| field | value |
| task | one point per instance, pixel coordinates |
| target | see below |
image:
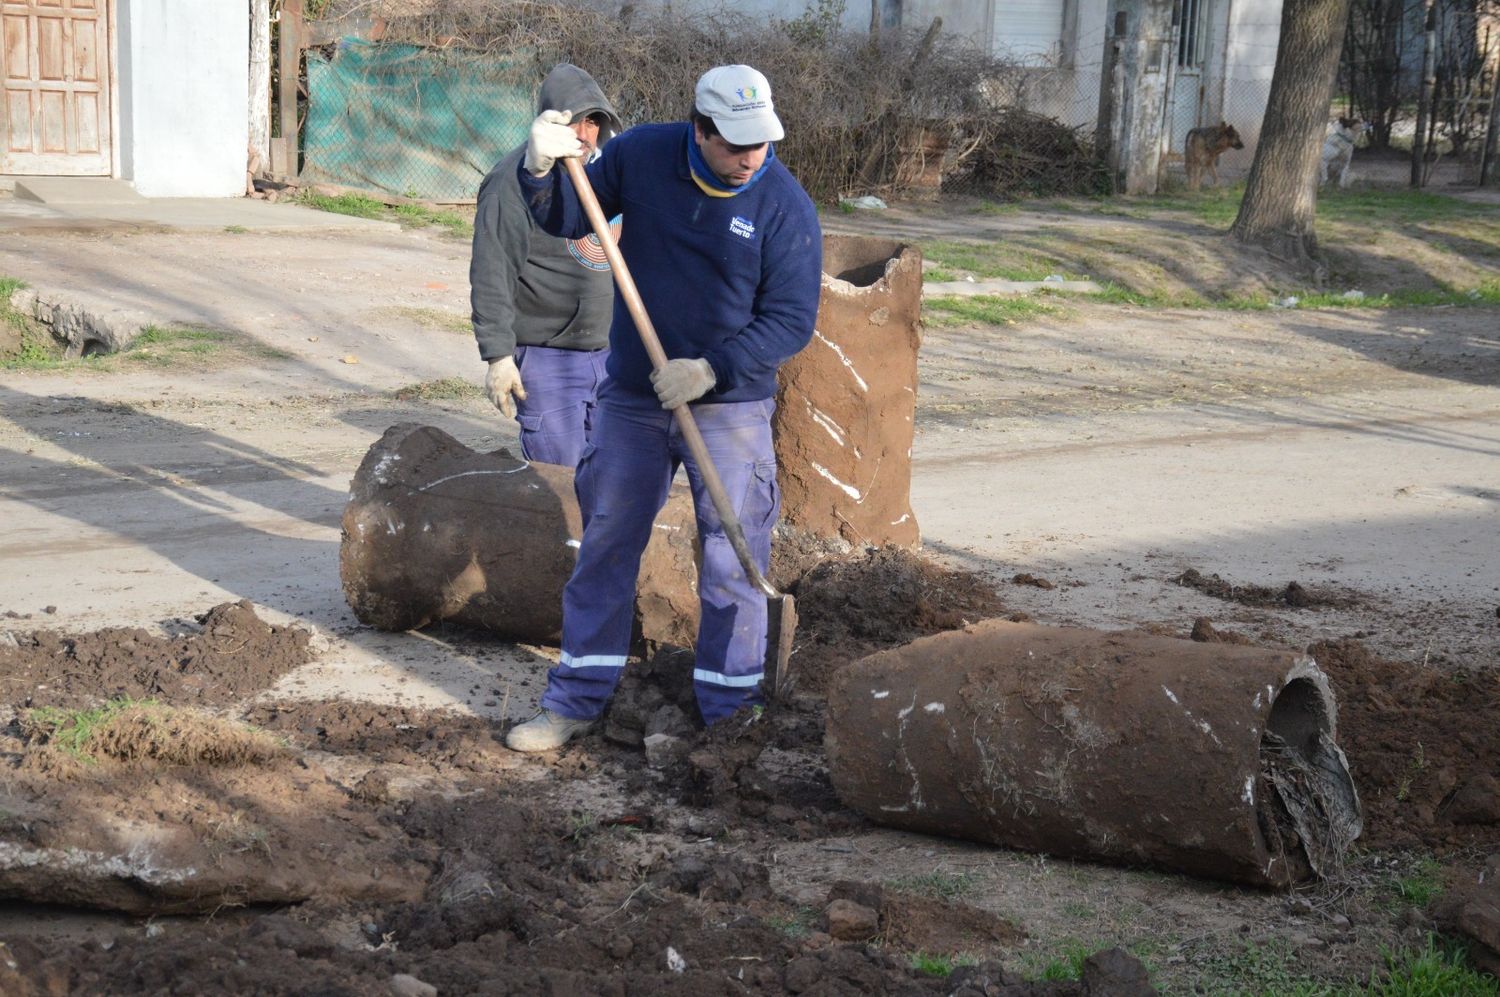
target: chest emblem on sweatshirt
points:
(742, 227)
(589, 252)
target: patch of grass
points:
(796, 924)
(137, 730)
(940, 965)
(993, 259)
(357, 205)
(447, 389)
(409, 215)
(987, 309)
(1436, 970)
(235, 229)
(1115, 294)
(1216, 206)
(937, 275)
(997, 207)
(431, 318)
(1417, 887)
(1396, 207)
(24, 343)
(939, 884)
(1256, 968)
(420, 214)
(170, 346)
(72, 730)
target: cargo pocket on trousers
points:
(762, 498)
(529, 423)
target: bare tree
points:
(1281, 195)
(260, 80)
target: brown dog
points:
(1204, 147)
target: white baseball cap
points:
(738, 99)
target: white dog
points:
(1338, 150)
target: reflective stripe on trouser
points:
(558, 411)
(622, 483)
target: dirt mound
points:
(1423, 747)
(879, 598)
(233, 654)
(1293, 594)
(383, 734)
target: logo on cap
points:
(747, 93)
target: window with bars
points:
(1190, 41)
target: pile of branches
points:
(1016, 153)
(861, 112)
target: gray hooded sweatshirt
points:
(529, 288)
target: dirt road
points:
(1108, 449)
(1096, 455)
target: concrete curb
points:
(83, 328)
(970, 288)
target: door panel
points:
(54, 67)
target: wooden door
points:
(54, 67)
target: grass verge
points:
(408, 215)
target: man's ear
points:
(698, 133)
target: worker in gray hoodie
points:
(542, 305)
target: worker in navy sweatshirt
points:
(725, 249)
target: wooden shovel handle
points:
(685, 421)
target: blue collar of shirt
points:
(706, 178)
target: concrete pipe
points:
(437, 531)
(845, 404)
(1209, 759)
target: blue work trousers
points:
(558, 412)
(622, 483)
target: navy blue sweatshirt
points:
(733, 280)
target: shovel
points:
(781, 609)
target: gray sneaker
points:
(545, 731)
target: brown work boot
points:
(545, 731)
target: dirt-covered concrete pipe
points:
(434, 530)
(845, 404)
(1209, 759)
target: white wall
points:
(183, 92)
(1253, 33)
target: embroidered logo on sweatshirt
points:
(742, 227)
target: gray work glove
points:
(682, 381)
(550, 140)
(502, 382)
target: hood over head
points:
(568, 88)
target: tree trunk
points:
(260, 81)
(1281, 194)
(1424, 103)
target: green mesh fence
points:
(411, 121)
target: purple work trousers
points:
(558, 411)
(632, 455)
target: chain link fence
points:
(411, 121)
(427, 111)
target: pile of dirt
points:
(1423, 747)
(1294, 594)
(881, 597)
(232, 654)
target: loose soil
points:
(379, 841)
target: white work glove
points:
(551, 139)
(682, 381)
(503, 381)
